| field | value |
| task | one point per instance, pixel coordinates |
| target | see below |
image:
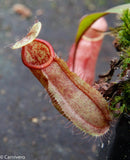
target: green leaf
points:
(88, 20)
(118, 9)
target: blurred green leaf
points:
(118, 9)
(88, 20)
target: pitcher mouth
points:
(38, 54)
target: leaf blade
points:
(118, 9)
(88, 20)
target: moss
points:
(121, 98)
(124, 33)
(121, 102)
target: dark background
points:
(29, 125)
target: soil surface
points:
(30, 126)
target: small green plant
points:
(120, 97)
